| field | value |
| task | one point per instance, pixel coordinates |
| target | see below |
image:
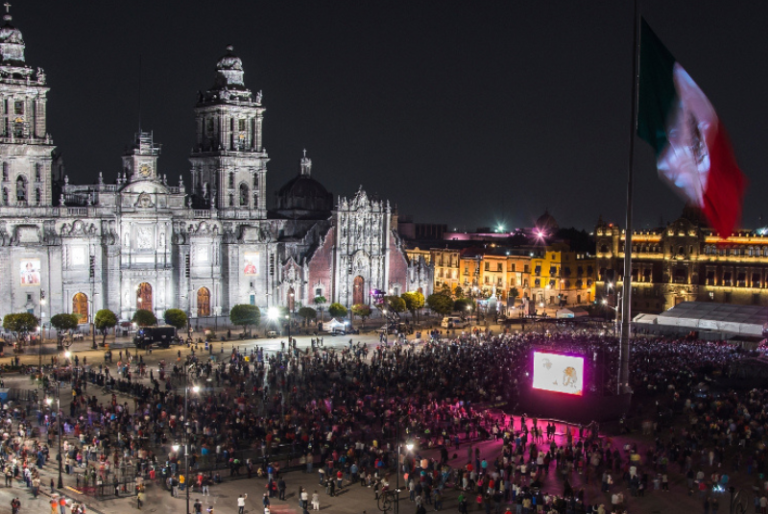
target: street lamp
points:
(195, 389)
(469, 309)
(42, 335)
(386, 326)
(49, 402)
(616, 315)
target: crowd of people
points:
(346, 410)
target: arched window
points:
(21, 189)
(243, 195)
(80, 307)
(231, 180)
(231, 200)
(255, 180)
(255, 200)
(6, 170)
(38, 172)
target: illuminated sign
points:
(558, 373)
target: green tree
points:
(445, 290)
(144, 318)
(21, 323)
(440, 303)
(394, 304)
(458, 292)
(462, 304)
(104, 320)
(307, 313)
(176, 318)
(244, 315)
(513, 294)
(62, 323)
(361, 310)
(414, 300)
(337, 310)
(320, 301)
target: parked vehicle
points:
(161, 336)
(453, 322)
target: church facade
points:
(142, 243)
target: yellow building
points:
(562, 277)
(446, 263)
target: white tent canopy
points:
(748, 320)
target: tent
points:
(573, 312)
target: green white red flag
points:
(693, 152)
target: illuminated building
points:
(683, 261)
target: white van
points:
(453, 322)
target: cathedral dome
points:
(547, 222)
(303, 196)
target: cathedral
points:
(203, 247)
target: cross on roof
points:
(7, 7)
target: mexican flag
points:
(693, 153)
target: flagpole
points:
(626, 297)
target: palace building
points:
(682, 262)
(142, 243)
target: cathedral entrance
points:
(144, 297)
(358, 290)
(203, 302)
(80, 307)
(291, 300)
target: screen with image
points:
(558, 373)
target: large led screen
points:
(558, 373)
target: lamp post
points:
(195, 389)
(409, 447)
(616, 313)
(386, 326)
(49, 402)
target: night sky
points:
(465, 113)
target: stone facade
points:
(143, 243)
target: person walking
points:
(315, 501)
(281, 489)
(241, 503)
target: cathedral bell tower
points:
(229, 163)
(140, 159)
(25, 146)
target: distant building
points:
(683, 261)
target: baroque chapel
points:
(142, 243)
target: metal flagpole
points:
(626, 303)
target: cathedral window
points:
(19, 107)
(18, 129)
(231, 180)
(38, 196)
(21, 189)
(209, 126)
(255, 180)
(5, 196)
(6, 168)
(231, 200)
(38, 172)
(243, 195)
(241, 124)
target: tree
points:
(361, 310)
(337, 310)
(320, 301)
(62, 323)
(462, 304)
(513, 294)
(244, 315)
(176, 318)
(445, 290)
(144, 318)
(414, 300)
(307, 313)
(395, 304)
(440, 303)
(20, 323)
(104, 320)
(458, 292)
